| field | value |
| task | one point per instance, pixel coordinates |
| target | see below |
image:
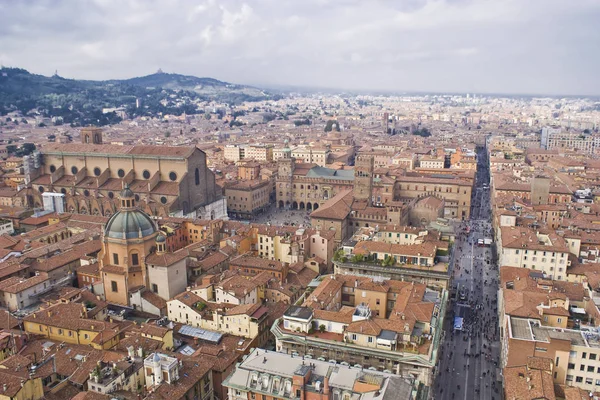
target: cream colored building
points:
(232, 152)
(17, 293)
(242, 320)
(258, 152)
(522, 247)
(313, 155)
(431, 162)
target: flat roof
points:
(203, 334)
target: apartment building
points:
(580, 142)
(69, 323)
(247, 198)
(267, 374)
(431, 162)
(291, 245)
(245, 320)
(258, 152)
(547, 253)
(382, 255)
(399, 334)
(554, 320)
(169, 377)
(17, 293)
(249, 170)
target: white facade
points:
(167, 282)
(6, 227)
(180, 312)
(223, 296)
(553, 264)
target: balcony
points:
(336, 341)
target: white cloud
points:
(438, 45)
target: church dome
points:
(129, 224)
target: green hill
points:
(80, 102)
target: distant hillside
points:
(204, 86)
(80, 102)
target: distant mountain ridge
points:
(79, 101)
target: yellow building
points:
(69, 323)
(15, 387)
(128, 238)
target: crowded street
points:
(469, 354)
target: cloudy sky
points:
(495, 46)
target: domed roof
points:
(126, 192)
(129, 224)
(161, 238)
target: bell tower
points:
(285, 173)
(91, 135)
(363, 177)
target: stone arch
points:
(308, 206)
(287, 204)
(281, 203)
(295, 205)
(301, 205)
(316, 206)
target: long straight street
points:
(470, 353)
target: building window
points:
(155, 288)
(97, 171)
(592, 356)
(74, 170)
(197, 176)
(578, 379)
(370, 340)
(354, 336)
(121, 173)
(146, 174)
(113, 286)
(134, 259)
(115, 259)
(172, 176)
(163, 200)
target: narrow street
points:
(470, 353)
